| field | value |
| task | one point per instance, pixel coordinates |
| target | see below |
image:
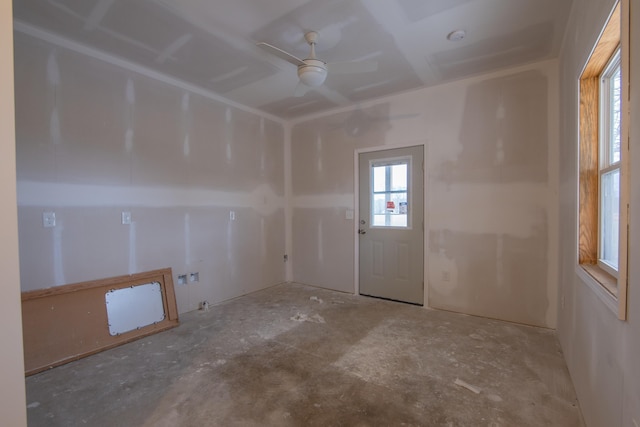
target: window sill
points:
(604, 285)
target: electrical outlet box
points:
(126, 218)
(194, 277)
(48, 219)
(182, 279)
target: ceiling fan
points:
(312, 71)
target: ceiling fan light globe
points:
(312, 75)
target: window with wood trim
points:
(609, 166)
(602, 250)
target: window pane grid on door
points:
(389, 198)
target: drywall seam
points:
(553, 204)
(322, 201)
(389, 98)
(521, 207)
(114, 60)
(30, 193)
(565, 36)
(288, 192)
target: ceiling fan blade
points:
(281, 54)
(332, 95)
(352, 67)
(300, 90)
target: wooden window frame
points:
(613, 37)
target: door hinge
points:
(286, 257)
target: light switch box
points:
(126, 218)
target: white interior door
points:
(391, 227)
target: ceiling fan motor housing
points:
(313, 73)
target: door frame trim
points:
(356, 213)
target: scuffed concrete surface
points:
(295, 355)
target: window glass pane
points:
(610, 217)
(614, 131)
(398, 216)
(379, 204)
(379, 178)
(378, 220)
(398, 177)
(398, 221)
(398, 200)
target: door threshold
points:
(392, 300)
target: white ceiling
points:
(212, 43)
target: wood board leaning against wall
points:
(66, 323)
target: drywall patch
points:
(187, 239)
(54, 126)
(133, 260)
(319, 153)
(186, 124)
(129, 111)
(263, 198)
(507, 284)
(320, 242)
(503, 132)
(443, 272)
(516, 209)
(130, 92)
(500, 267)
(263, 241)
(417, 10)
(263, 148)
(327, 262)
(58, 262)
(53, 80)
(53, 70)
(231, 250)
(490, 54)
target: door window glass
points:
(390, 194)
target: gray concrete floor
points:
(294, 355)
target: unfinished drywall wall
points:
(490, 191)
(601, 351)
(12, 393)
(203, 180)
